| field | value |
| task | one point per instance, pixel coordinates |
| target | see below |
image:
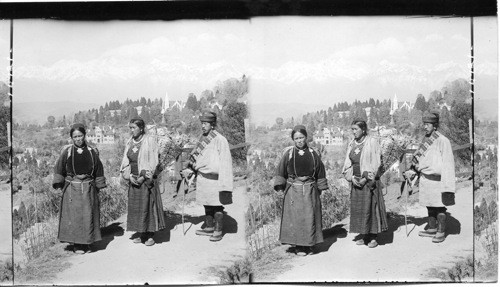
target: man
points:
(211, 161)
(433, 162)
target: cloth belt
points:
(432, 177)
(298, 182)
(76, 180)
(212, 176)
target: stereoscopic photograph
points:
(129, 152)
(6, 264)
(264, 150)
(361, 157)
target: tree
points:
(456, 91)
(232, 126)
(51, 121)
(279, 122)
(145, 115)
(373, 120)
(132, 113)
(192, 102)
(208, 95)
(420, 103)
(371, 102)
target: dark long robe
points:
(79, 220)
(301, 219)
(368, 214)
(145, 208)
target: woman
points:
(79, 173)
(301, 175)
(139, 164)
(368, 216)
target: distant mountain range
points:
(37, 112)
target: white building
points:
(115, 112)
(101, 136)
(329, 137)
(344, 114)
(395, 105)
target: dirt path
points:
(175, 259)
(398, 258)
(5, 222)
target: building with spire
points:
(396, 105)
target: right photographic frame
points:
(373, 149)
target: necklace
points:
(139, 141)
(79, 149)
(360, 143)
(136, 144)
(358, 149)
(300, 151)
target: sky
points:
(99, 61)
(4, 50)
(333, 58)
(313, 60)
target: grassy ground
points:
(6, 270)
(44, 268)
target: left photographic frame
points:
(94, 102)
(6, 258)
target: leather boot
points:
(217, 235)
(209, 226)
(440, 235)
(431, 231)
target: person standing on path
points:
(80, 175)
(433, 162)
(139, 168)
(301, 176)
(211, 162)
(368, 216)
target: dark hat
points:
(430, 117)
(210, 117)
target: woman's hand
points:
(370, 176)
(140, 180)
(134, 181)
(358, 182)
(148, 174)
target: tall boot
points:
(208, 230)
(217, 235)
(440, 235)
(431, 231)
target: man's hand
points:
(410, 174)
(185, 173)
(149, 174)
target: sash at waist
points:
(212, 176)
(299, 182)
(78, 179)
(432, 177)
